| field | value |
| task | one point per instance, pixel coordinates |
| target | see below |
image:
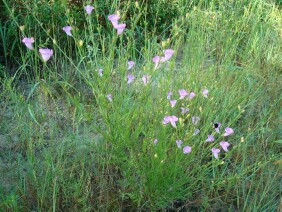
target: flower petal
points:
(88, 9)
(205, 92)
(210, 138)
(187, 149)
(179, 143)
(224, 145)
(215, 152)
(173, 102)
(228, 131)
(46, 54)
(67, 30)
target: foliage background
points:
(65, 147)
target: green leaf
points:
(278, 141)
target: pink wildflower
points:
(156, 59)
(145, 79)
(114, 19)
(183, 93)
(187, 149)
(224, 145)
(130, 79)
(100, 71)
(171, 120)
(210, 138)
(28, 42)
(179, 143)
(184, 110)
(192, 95)
(173, 102)
(119, 28)
(46, 54)
(169, 94)
(130, 64)
(215, 152)
(228, 131)
(67, 30)
(88, 9)
(205, 92)
(168, 54)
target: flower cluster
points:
(46, 54)
(114, 18)
(224, 144)
(168, 53)
(184, 94)
(146, 77)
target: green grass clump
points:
(67, 146)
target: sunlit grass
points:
(91, 126)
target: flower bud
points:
(136, 4)
(22, 28)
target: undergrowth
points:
(103, 119)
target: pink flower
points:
(169, 94)
(173, 102)
(28, 42)
(67, 30)
(100, 71)
(228, 131)
(215, 152)
(217, 126)
(119, 28)
(195, 120)
(224, 145)
(156, 59)
(168, 54)
(114, 19)
(184, 110)
(171, 120)
(187, 149)
(182, 93)
(110, 97)
(130, 79)
(46, 54)
(205, 92)
(197, 131)
(156, 141)
(145, 79)
(210, 138)
(192, 95)
(179, 143)
(130, 64)
(89, 9)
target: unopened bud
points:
(137, 4)
(80, 43)
(22, 28)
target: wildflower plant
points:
(159, 129)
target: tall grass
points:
(78, 151)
